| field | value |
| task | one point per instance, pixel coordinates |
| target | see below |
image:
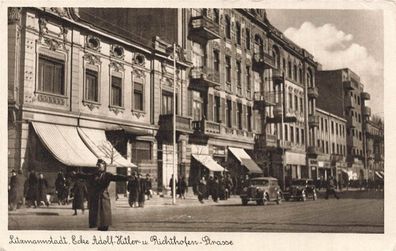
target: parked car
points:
(301, 189)
(261, 190)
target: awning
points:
(131, 130)
(379, 175)
(245, 159)
(382, 173)
(65, 144)
(102, 148)
(208, 162)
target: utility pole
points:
(174, 127)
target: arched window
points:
(276, 55)
(216, 16)
(309, 78)
(238, 33)
(228, 27)
(258, 44)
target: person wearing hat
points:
(13, 191)
(99, 198)
(133, 189)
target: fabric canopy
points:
(245, 159)
(208, 162)
(379, 175)
(102, 148)
(65, 144)
(131, 130)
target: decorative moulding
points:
(90, 105)
(116, 109)
(92, 59)
(116, 66)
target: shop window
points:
(51, 75)
(141, 151)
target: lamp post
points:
(283, 130)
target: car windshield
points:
(299, 182)
(259, 182)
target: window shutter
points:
(210, 107)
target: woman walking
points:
(99, 198)
(79, 194)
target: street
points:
(355, 212)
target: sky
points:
(340, 39)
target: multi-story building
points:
(375, 148)
(245, 75)
(78, 91)
(341, 93)
(332, 144)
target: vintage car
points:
(301, 189)
(261, 190)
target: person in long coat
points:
(142, 191)
(31, 190)
(99, 198)
(60, 188)
(79, 192)
(202, 189)
(181, 187)
(13, 191)
(42, 187)
(149, 187)
(133, 189)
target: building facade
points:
(375, 149)
(342, 93)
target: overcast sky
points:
(339, 39)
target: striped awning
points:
(245, 160)
(208, 162)
(65, 144)
(97, 142)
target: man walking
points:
(331, 186)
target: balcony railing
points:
(182, 123)
(206, 127)
(205, 76)
(263, 59)
(313, 150)
(313, 92)
(313, 120)
(264, 99)
(351, 85)
(277, 76)
(365, 95)
(203, 29)
(366, 111)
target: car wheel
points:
(265, 199)
(314, 197)
(303, 196)
(244, 202)
(279, 199)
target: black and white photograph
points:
(196, 119)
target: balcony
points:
(283, 144)
(183, 124)
(336, 157)
(351, 85)
(205, 77)
(266, 141)
(366, 111)
(263, 60)
(263, 99)
(313, 150)
(278, 114)
(277, 76)
(365, 96)
(349, 102)
(313, 92)
(203, 29)
(313, 120)
(206, 127)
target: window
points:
(239, 77)
(116, 91)
(296, 103)
(301, 105)
(358, 100)
(300, 75)
(141, 151)
(91, 86)
(216, 60)
(167, 103)
(290, 101)
(302, 137)
(326, 125)
(327, 147)
(297, 135)
(228, 27)
(51, 75)
(295, 72)
(239, 115)
(332, 127)
(338, 149)
(248, 83)
(229, 114)
(359, 118)
(286, 134)
(284, 64)
(197, 106)
(289, 69)
(238, 33)
(216, 16)
(248, 39)
(138, 96)
(228, 68)
(318, 144)
(336, 127)
(292, 134)
(216, 113)
(321, 124)
(360, 135)
(249, 118)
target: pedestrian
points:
(149, 186)
(99, 198)
(79, 193)
(60, 188)
(133, 189)
(202, 189)
(331, 186)
(42, 187)
(171, 185)
(13, 191)
(20, 189)
(31, 190)
(142, 190)
(181, 187)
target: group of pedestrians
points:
(181, 187)
(35, 190)
(139, 188)
(216, 187)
